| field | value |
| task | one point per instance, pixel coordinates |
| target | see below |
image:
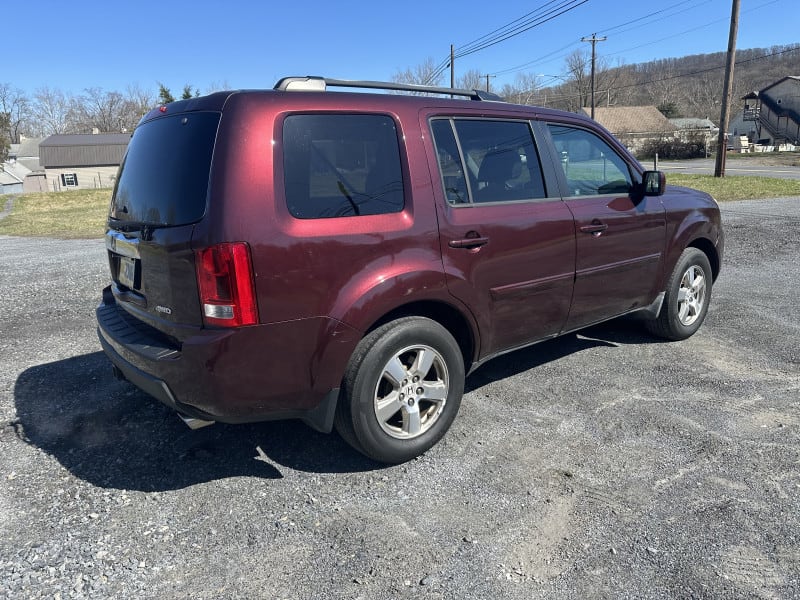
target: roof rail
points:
(320, 84)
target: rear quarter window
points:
(341, 165)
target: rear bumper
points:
(261, 373)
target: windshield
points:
(164, 178)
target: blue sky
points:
(252, 44)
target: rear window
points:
(164, 177)
(341, 165)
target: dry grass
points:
(73, 214)
(82, 213)
(737, 187)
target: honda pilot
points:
(348, 257)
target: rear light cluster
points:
(227, 287)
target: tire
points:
(686, 299)
(401, 391)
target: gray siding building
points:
(82, 161)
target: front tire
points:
(687, 297)
(401, 391)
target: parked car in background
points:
(346, 258)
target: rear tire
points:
(687, 297)
(401, 391)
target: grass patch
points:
(73, 214)
(83, 213)
(788, 159)
(737, 187)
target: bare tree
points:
(52, 111)
(525, 89)
(471, 80)
(425, 73)
(704, 95)
(16, 106)
(578, 87)
(218, 86)
(138, 101)
(99, 110)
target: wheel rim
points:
(691, 295)
(411, 392)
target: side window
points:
(487, 161)
(341, 165)
(590, 165)
(450, 166)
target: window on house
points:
(69, 179)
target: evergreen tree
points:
(188, 93)
(4, 140)
(164, 95)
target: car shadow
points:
(112, 435)
(618, 332)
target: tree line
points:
(690, 86)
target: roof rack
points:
(320, 84)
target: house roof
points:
(772, 85)
(693, 123)
(83, 150)
(85, 139)
(755, 94)
(7, 178)
(631, 119)
(28, 148)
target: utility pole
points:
(725, 115)
(487, 81)
(452, 67)
(594, 39)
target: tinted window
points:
(341, 165)
(164, 176)
(498, 158)
(590, 165)
(450, 167)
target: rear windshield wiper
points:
(145, 227)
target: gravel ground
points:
(603, 464)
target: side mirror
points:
(654, 183)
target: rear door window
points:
(164, 177)
(484, 160)
(341, 165)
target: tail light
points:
(227, 288)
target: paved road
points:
(705, 166)
(605, 464)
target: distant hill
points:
(690, 86)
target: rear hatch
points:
(161, 192)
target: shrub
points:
(691, 145)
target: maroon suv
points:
(346, 258)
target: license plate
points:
(127, 271)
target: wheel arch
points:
(707, 247)
(448, 316)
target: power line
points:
(545, 13)
(639, 19)
(539, 18)
(606, 31)
(652, 14)
(691, 74)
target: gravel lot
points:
(603, 464)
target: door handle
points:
(594, 228)
(469, 243)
